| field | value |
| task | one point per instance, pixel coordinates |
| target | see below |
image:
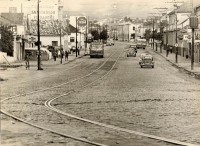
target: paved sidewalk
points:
(18, 68)
(183, 63)
(50, 62)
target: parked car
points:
(96, 49)
(146, 60)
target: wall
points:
(47, 40)
(4, 59)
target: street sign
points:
(176, 45)
(193, 21)
(82, 21)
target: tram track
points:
(49, 105)
(29, 123)
(19, 85)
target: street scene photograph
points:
(99, 73)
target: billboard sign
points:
(82, 21)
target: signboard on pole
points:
(82, 21)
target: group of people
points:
(55, 54)
(62, 54)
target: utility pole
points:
(176, 45)
(122, 33)
(39, 43)
(167, 40)
(60, 43)
(76, 37)
(153, 33)
(193, 26)
(128, 33)
(153, 28)
(86, 33)
(161, 11)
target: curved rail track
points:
(43, 128)
(49, 101)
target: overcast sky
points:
(133, 8)
(113, 8)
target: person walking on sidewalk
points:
(27, 61)
(61, 55)
(66, 54)
(54, 54)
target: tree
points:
(148, 34)
(6, 41)
(95, 34)
(104, 35)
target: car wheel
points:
(153, 66)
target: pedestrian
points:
(66, 54)
(61, 54)
(171, 50)
(54, 54)
(27, 61)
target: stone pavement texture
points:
(183, 63)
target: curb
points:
(193, 74)
(3, 66)
(10, 66)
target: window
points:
(132, 36)
(133, 27)
(54, 43)
(72, 39)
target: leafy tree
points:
(6, 41)
(104, 35)
(148, 34)
(95, 34)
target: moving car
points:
(132, 50)
(131, 53)
(146, 60)
(96, 49)
(141, 43)
(133, 46)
